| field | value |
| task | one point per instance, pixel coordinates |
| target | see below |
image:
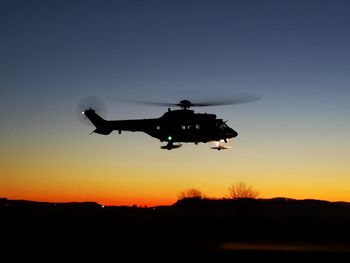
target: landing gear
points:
(218, 146)
(171, 146)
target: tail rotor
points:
(90, 103)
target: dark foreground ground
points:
(195, 229)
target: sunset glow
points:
(294, 142)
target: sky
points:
(294, 142)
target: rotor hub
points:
(185, 104)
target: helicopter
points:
(176, 126)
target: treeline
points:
(235, 191)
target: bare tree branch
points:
(241, 190)
(190, 193)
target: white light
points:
(83, 112)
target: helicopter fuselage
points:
(175, 126)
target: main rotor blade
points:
(152, 103)
(238, 100)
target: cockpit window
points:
(221, 125)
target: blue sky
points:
(295, 54)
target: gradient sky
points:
(294, 142)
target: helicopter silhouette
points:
(176, 126)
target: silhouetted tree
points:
(241, 190)
(190, 193)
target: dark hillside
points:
(190, 226)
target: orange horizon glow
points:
(140, 202)
(96, 170)
(147, 201)
(105, 202)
